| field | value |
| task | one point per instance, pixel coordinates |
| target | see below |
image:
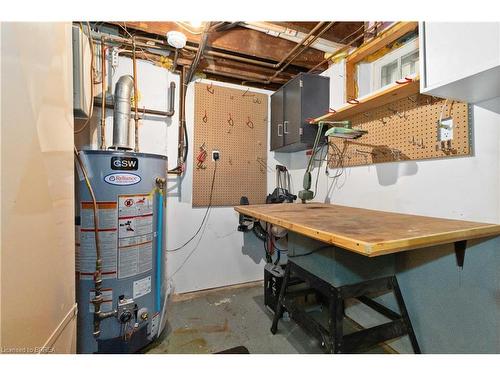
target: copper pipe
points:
(278, 64)
(182, 116)
(345, 48)
(252, 61)
(199, 53)
(174, 63)
(136, 114)
(235, 58)
(301, 43)
(178, 170)
(147, 111)
(92, 71)
(238, 76)
(98, 299)
(103, 89)
(126, 41)
(162, 45)
(306, 46)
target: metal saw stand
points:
(332, 338)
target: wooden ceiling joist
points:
(339, 33)
(237, 40)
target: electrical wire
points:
(320, 148)
(186, 139)
(204, 216)
(260, 232)
(310, 252)
(269, 259)
(276, 247)
(92, 74)
(339, 164)
(202, 225)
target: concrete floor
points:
(220, 319)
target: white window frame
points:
(392, 56)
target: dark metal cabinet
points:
(305, 96)
(277, 120)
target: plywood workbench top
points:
(367, 232)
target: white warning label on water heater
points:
(142, 287)
(86, 254)
(135, 234)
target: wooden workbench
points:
(367, 232)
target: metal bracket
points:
(460, 247)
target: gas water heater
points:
(120, 286)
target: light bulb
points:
(195, 24)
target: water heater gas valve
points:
(125, 310)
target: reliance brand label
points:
(122, 179)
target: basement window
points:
(396, 65)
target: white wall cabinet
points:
(460, 60)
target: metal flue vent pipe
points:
(121, 113)
(171, 100)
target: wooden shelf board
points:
(370, 102)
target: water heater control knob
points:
(125, 309)
(125, 316)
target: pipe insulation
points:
(121, 112)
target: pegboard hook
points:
(396, 112)
(210, 88)
(414, 100)
(404, 81)
(246, 92)
(205, 118)
(250, 123)
(230, 121)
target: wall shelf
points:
(375, 100)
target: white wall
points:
(459, 188)
(217, 256)
(37, 244)
(434, 187)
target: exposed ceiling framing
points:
(236, 53)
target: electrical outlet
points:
(215, 155)
(114, 57)
(445, 129)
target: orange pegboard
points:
(406, 129)
(234, 122)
